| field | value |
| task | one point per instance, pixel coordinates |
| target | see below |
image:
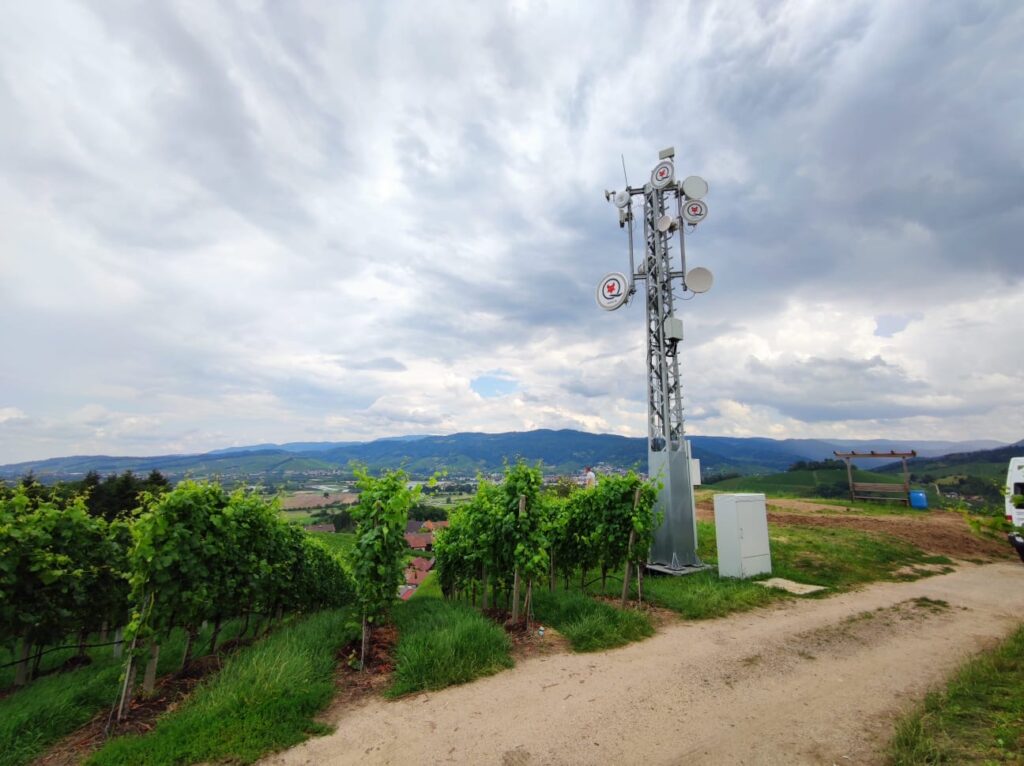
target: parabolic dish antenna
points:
(695, 211)
(613, 291)
(699, 280)
(621, 199)
(665, 223)
(663, 174)
(695, 187)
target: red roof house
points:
(419, 542)
(415, 576)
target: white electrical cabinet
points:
(741, 528)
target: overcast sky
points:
(231, 223)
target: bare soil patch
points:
(353, 685)
(302, 500)
(938, 532)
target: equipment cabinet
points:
(741, 530)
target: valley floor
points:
(816, 681)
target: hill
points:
(985, 464)
(561, 451)
(802, 483)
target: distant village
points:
(419, 534)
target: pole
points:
(674, 549)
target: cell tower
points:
(668, 452)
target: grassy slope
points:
(429, 588)
(52, 706)
(338, 542)
(442, 643)
(263, 699)
(978, 718)
(991, 471)
(32, 719)
(799, 482)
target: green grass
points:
(799, 482)
(841, 558)
(705, 595)
(53, 706)
(588, 624)
(301, 517)
(34, 718)
(977, 719)
(441, 644)
(992, 470)
(263, 699)
(429, 588)
(838, 559)
(339, 542)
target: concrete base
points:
(799, 588)
(685, 570)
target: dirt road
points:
(815, 682)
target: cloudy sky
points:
(230, 223)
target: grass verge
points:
(705, 595)
(590, 625)
(978, 718)
(833, 557)
(263, 699)
(441, 644)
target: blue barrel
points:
(918, 499)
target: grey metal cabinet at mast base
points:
(741, 531)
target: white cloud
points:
(223, 224)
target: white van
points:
(1015, 488)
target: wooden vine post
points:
(21, 673)
(629, 550)
(625, 576)
(515, 577)
(149, 679)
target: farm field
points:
(445, 500)
(337, 542)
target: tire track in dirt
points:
(815, 681)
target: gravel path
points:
(815, 682)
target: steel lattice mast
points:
(668, 455)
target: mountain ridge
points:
(467, 452)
